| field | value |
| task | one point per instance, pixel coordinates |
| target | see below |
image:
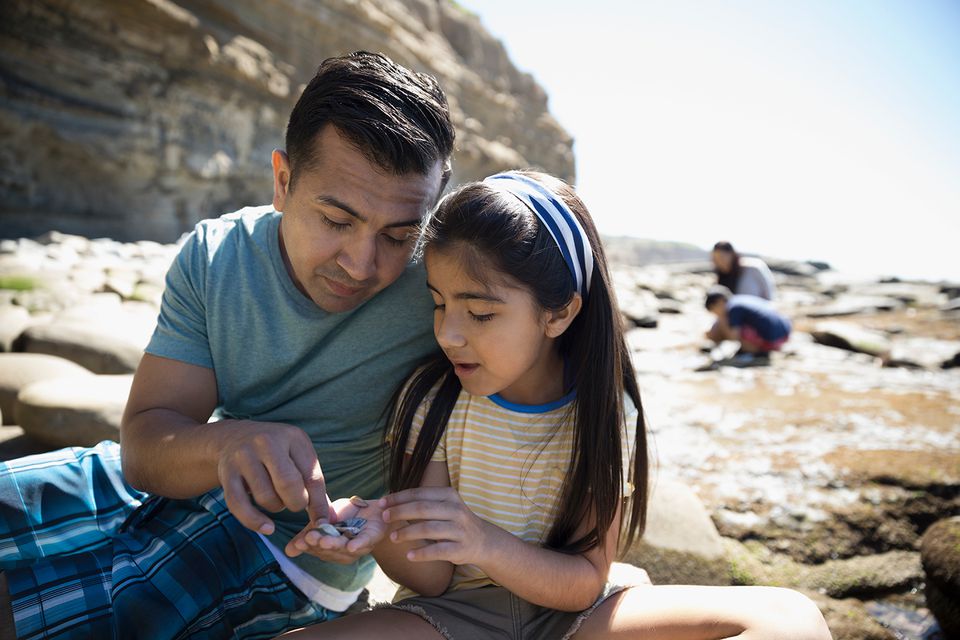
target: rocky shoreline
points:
(822, 471)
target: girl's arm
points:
(426, 578)
(448, 531)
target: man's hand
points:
(341, 549)
(276, 466)
(438, 517)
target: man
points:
(751, 320)
(292, 324)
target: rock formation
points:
(135, 119)
(820, 472)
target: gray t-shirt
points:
(230, 305)
(755, 279)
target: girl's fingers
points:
(418, 493)
(425, 530)
(423, 510)
(436, 551)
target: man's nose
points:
(359, 258)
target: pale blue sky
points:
(822, 129)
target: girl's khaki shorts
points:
(493, 613)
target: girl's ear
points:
(558, 321)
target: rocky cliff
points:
(135, 118)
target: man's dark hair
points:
(717, 293)
(397, 118)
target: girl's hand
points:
(341, 549)
(437, 517)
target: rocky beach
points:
(821, 472)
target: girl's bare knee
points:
(795, 611)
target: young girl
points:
(520, 450)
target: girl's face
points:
(496, 336)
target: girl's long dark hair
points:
(730, 278)
(491, 228)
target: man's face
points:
(348, 227)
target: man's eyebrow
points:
(471, 295)
(339, 204)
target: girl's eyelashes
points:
(476, 317)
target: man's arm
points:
(169, 448)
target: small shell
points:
(357, 501)
(327, 529)
(350, 527)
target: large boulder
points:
(681, 544)
(940, 554)
(18, 370)
(640, 307)
(103, 335)
(861, 576)
(73, 412)
(849, 619)
(849, 336)
(921, 352)
(13, 321)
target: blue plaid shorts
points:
(87, 556)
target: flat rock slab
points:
(849, 305)
(852, 337)
(677, 520)
(680, 544)
(921, 352)
(104, 338)
(73, 412)
(19, 370)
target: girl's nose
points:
(448, 332)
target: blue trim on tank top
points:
(533, 408)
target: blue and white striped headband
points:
(557, 218)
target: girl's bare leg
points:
(705, 613)
(379, 623)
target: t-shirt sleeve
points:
(768, 282)
(440, 454)
(735, 315)
(181, 332)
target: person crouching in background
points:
(751, 320)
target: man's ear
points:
(281, 178)
(558, 321)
